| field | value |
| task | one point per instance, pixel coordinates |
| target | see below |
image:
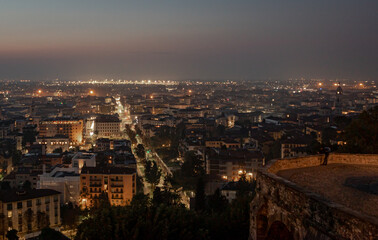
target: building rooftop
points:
(352, 185)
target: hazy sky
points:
(177, 39)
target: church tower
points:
(338, 106)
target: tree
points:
(140, 151)
(70, 215)
(190, 171)
(217, 202)
(12, 235)
(130, 133)
(141, 220)
(200, 198)
(42, 220)
(152, 173)
(28, 218)
(48, 234)
(328, 134)
(361, 136)
(165, 195)
(192, 166)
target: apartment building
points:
(119, 183)
(107, 126)
(69, 127)
(219, 143)
(29, 211)
(231, 164)
(56, 142)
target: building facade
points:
(29, 211)
(69, 127)
(118, 183)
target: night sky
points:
(161, 39)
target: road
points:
(150, 155)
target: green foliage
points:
(142, 220)
(190, 171)
(70, 215)
(152, 173)
(328, 134)
(140, 151)
(163, 217)
(361, 136)
(166, 196)
(131, 134)
(217, 202)
(200, 199)
(48, 234)
(167, 154)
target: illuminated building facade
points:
(29, 211)
(119, 183)
(70, 127)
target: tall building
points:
(119, 183)
(107, 126)
(70, 127)
(29, 211)
(338, 105)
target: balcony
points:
(116, 180)
(95, 185)
(119, 197)
(119, 191)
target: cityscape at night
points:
(235, 120)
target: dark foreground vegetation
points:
(164, 217)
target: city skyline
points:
(239, 40)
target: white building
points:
(64, 180)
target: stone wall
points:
(305, 214)
(316, 160)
